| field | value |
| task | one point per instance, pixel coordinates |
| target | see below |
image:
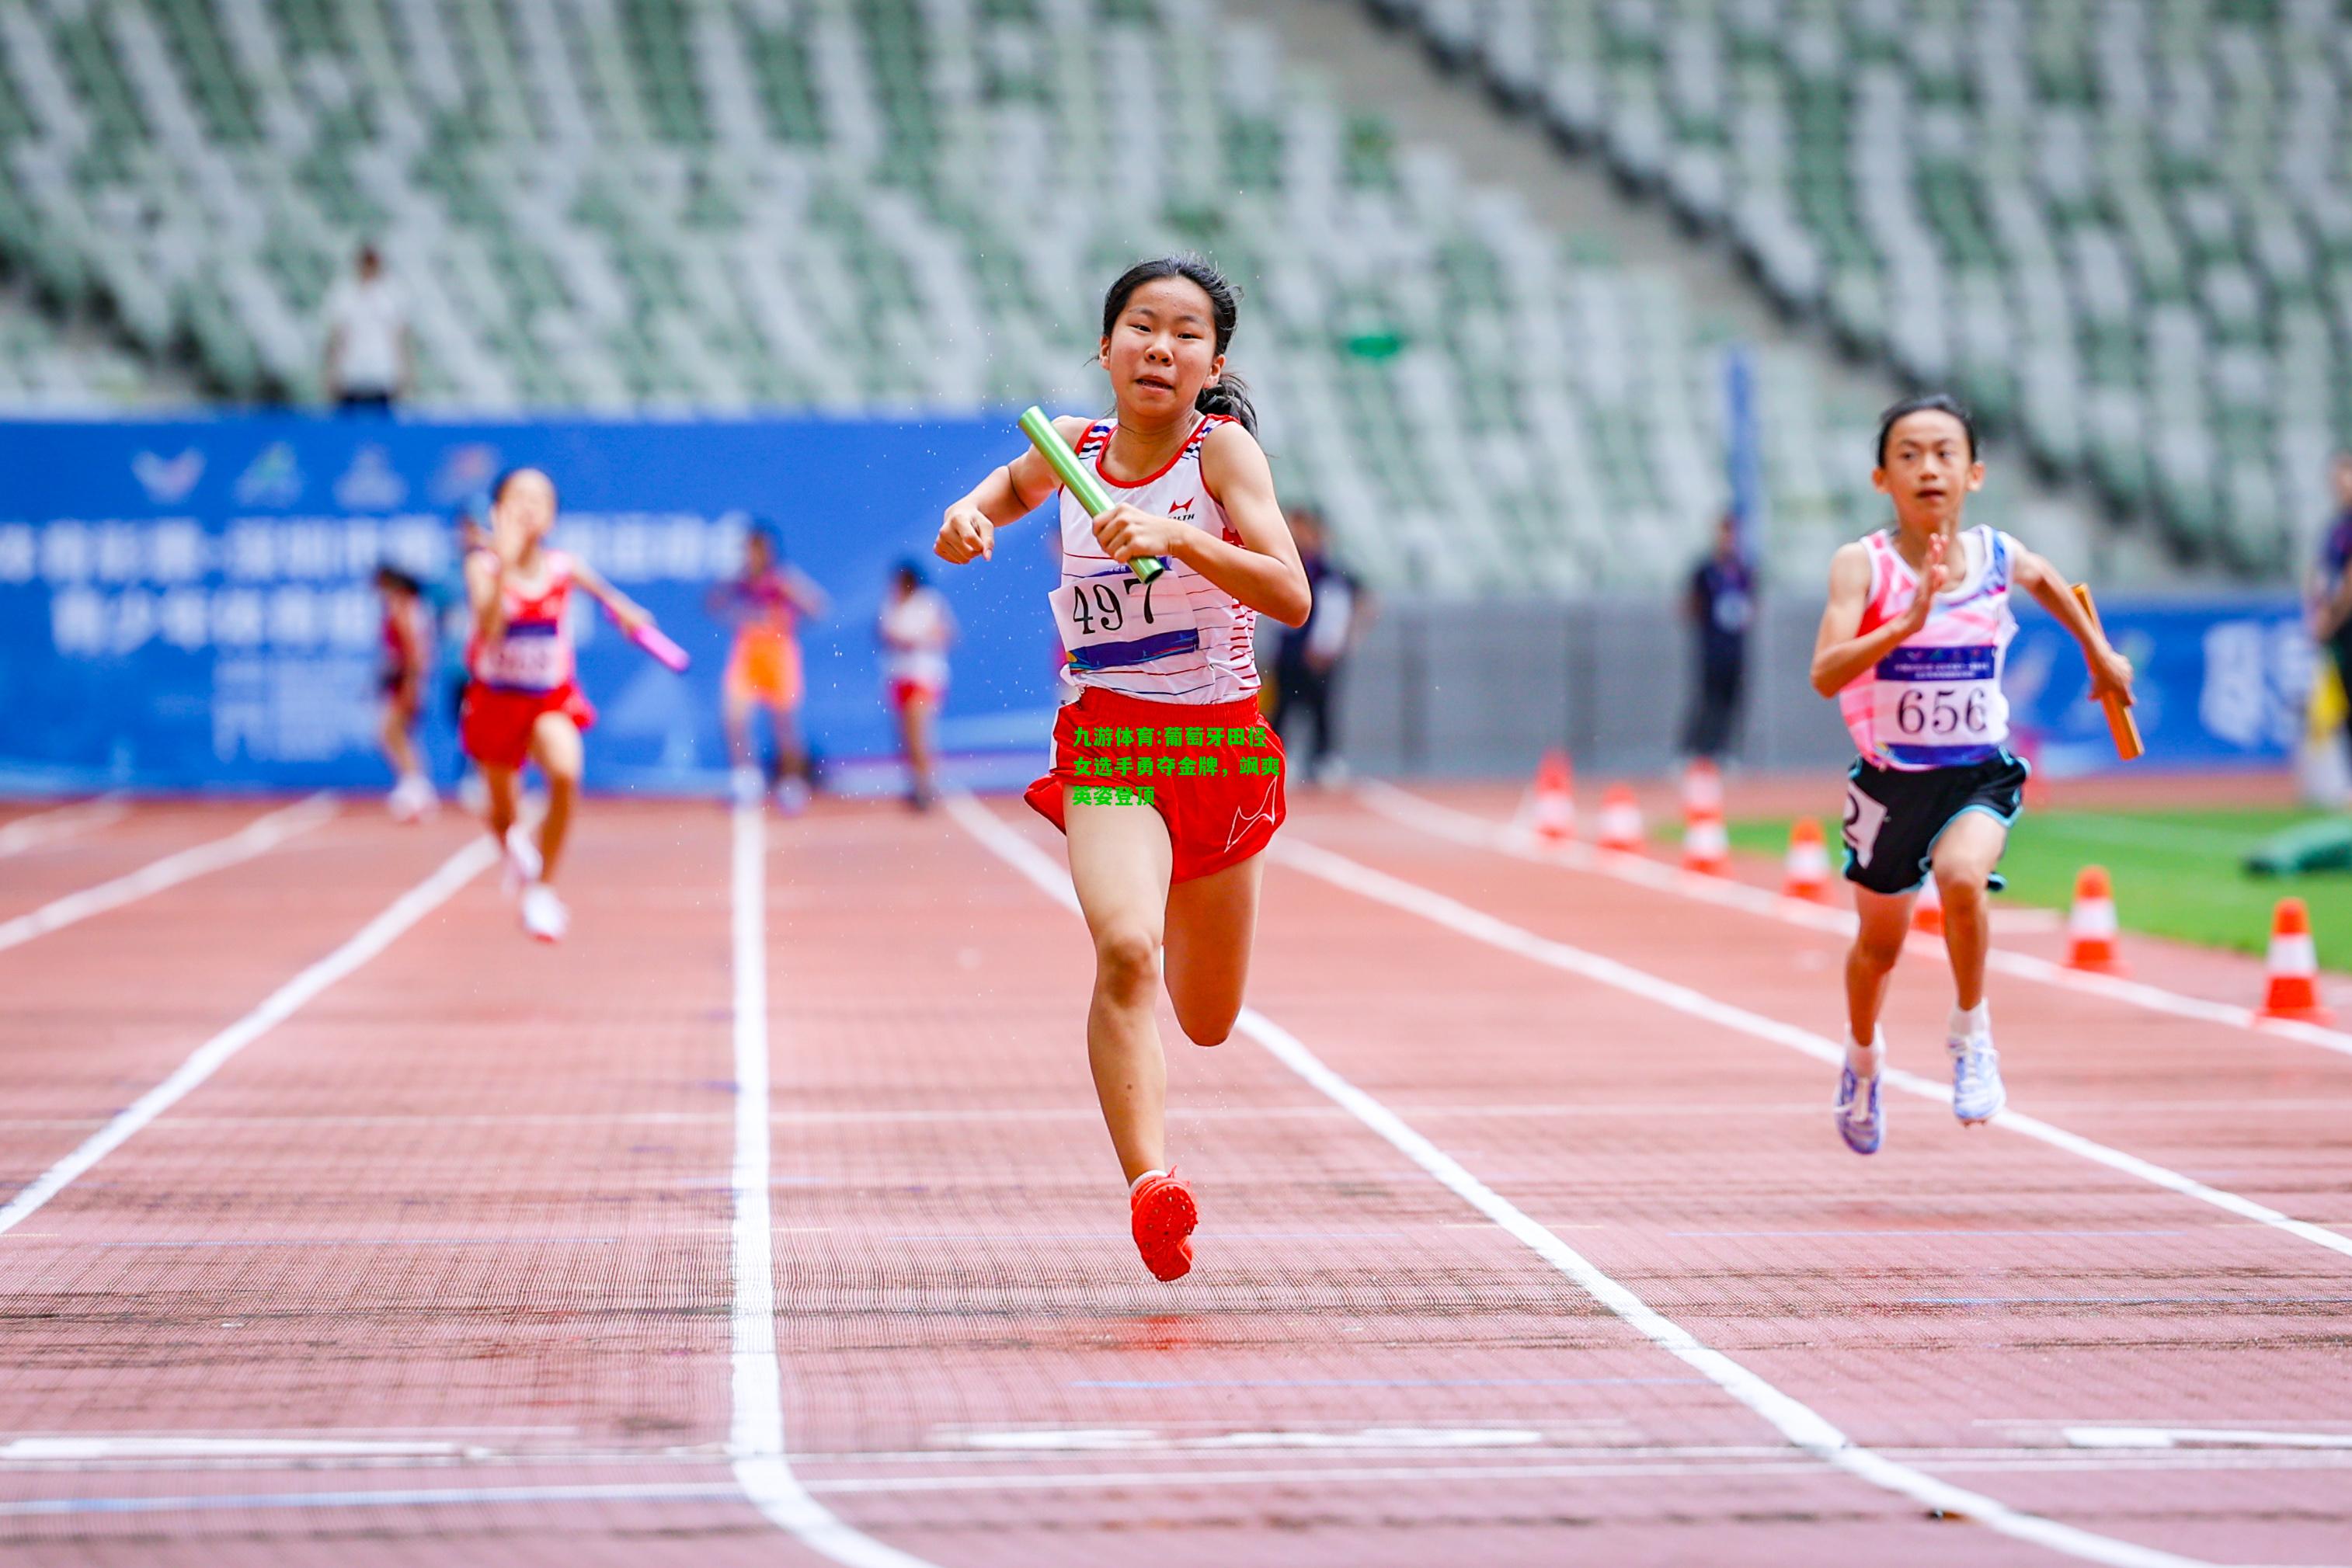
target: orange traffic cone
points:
(1927, 915)
(2293, 991)
(1551, 808)
(1702, 790)
(1808, 873)
(2091, 925)
(1621, 820)
(1706, 848)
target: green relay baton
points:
(1072, 473)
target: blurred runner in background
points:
(766, 603)
(916, 627)
(407, 657)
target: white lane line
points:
(280, 1005)
(755, 1438)
(1800, 1424)
(61, 823)
(80, 1449)
(1479, 925)
(1462, 828)
(2200, 1436)
(1079, 1481)
(256, 837)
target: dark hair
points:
(389, 576)
(499, 485)
(1228, 396)
(1927, 403)
(911, 571)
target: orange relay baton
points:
(2120, 722)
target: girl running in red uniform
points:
(408, 651)
(916, 626)
(1163, 687)
(521, 704)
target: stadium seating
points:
(2122, 228)
(882, 206)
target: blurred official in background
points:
(1720, 605)
(1307, 659)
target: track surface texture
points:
(1525, 1239)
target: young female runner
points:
(408, 654)
(914, 627)
(767, 603)
(1911, 647)
(521, 703)
(1163, 686)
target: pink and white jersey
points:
(534, 653)
(1935, 700)
(1180, 639)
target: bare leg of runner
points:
(1119, 864)
(1212, 926)
(555, 747)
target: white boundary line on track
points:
(1465, 828)
(280, 1005)
(1479, 925)
(257, 837)
(1799, 1422)
(37, 828)
(755, 1439)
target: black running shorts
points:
(1894, 818)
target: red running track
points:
(439, 1268)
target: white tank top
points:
(1182, 638)
(1935, 700)
(915, 631)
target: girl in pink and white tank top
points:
(1935, 699)
(1913, 654)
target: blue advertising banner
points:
(188, 604)
(2221, 683)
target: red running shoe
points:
(1164, 1217)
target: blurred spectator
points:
(2331, 613)
(368, 360)
(1721, 603)
(1307, 659)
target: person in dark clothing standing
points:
(1308, 658)
(1721, 602)
(2331, 615)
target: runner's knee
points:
(1961, 880)
(1879, 948)
(1126, 960)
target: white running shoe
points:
(523, 862)
(793, 796)
(412, 799)
(748, 787)
(1977, 1091)
(1860, 1120)
(543, 915)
